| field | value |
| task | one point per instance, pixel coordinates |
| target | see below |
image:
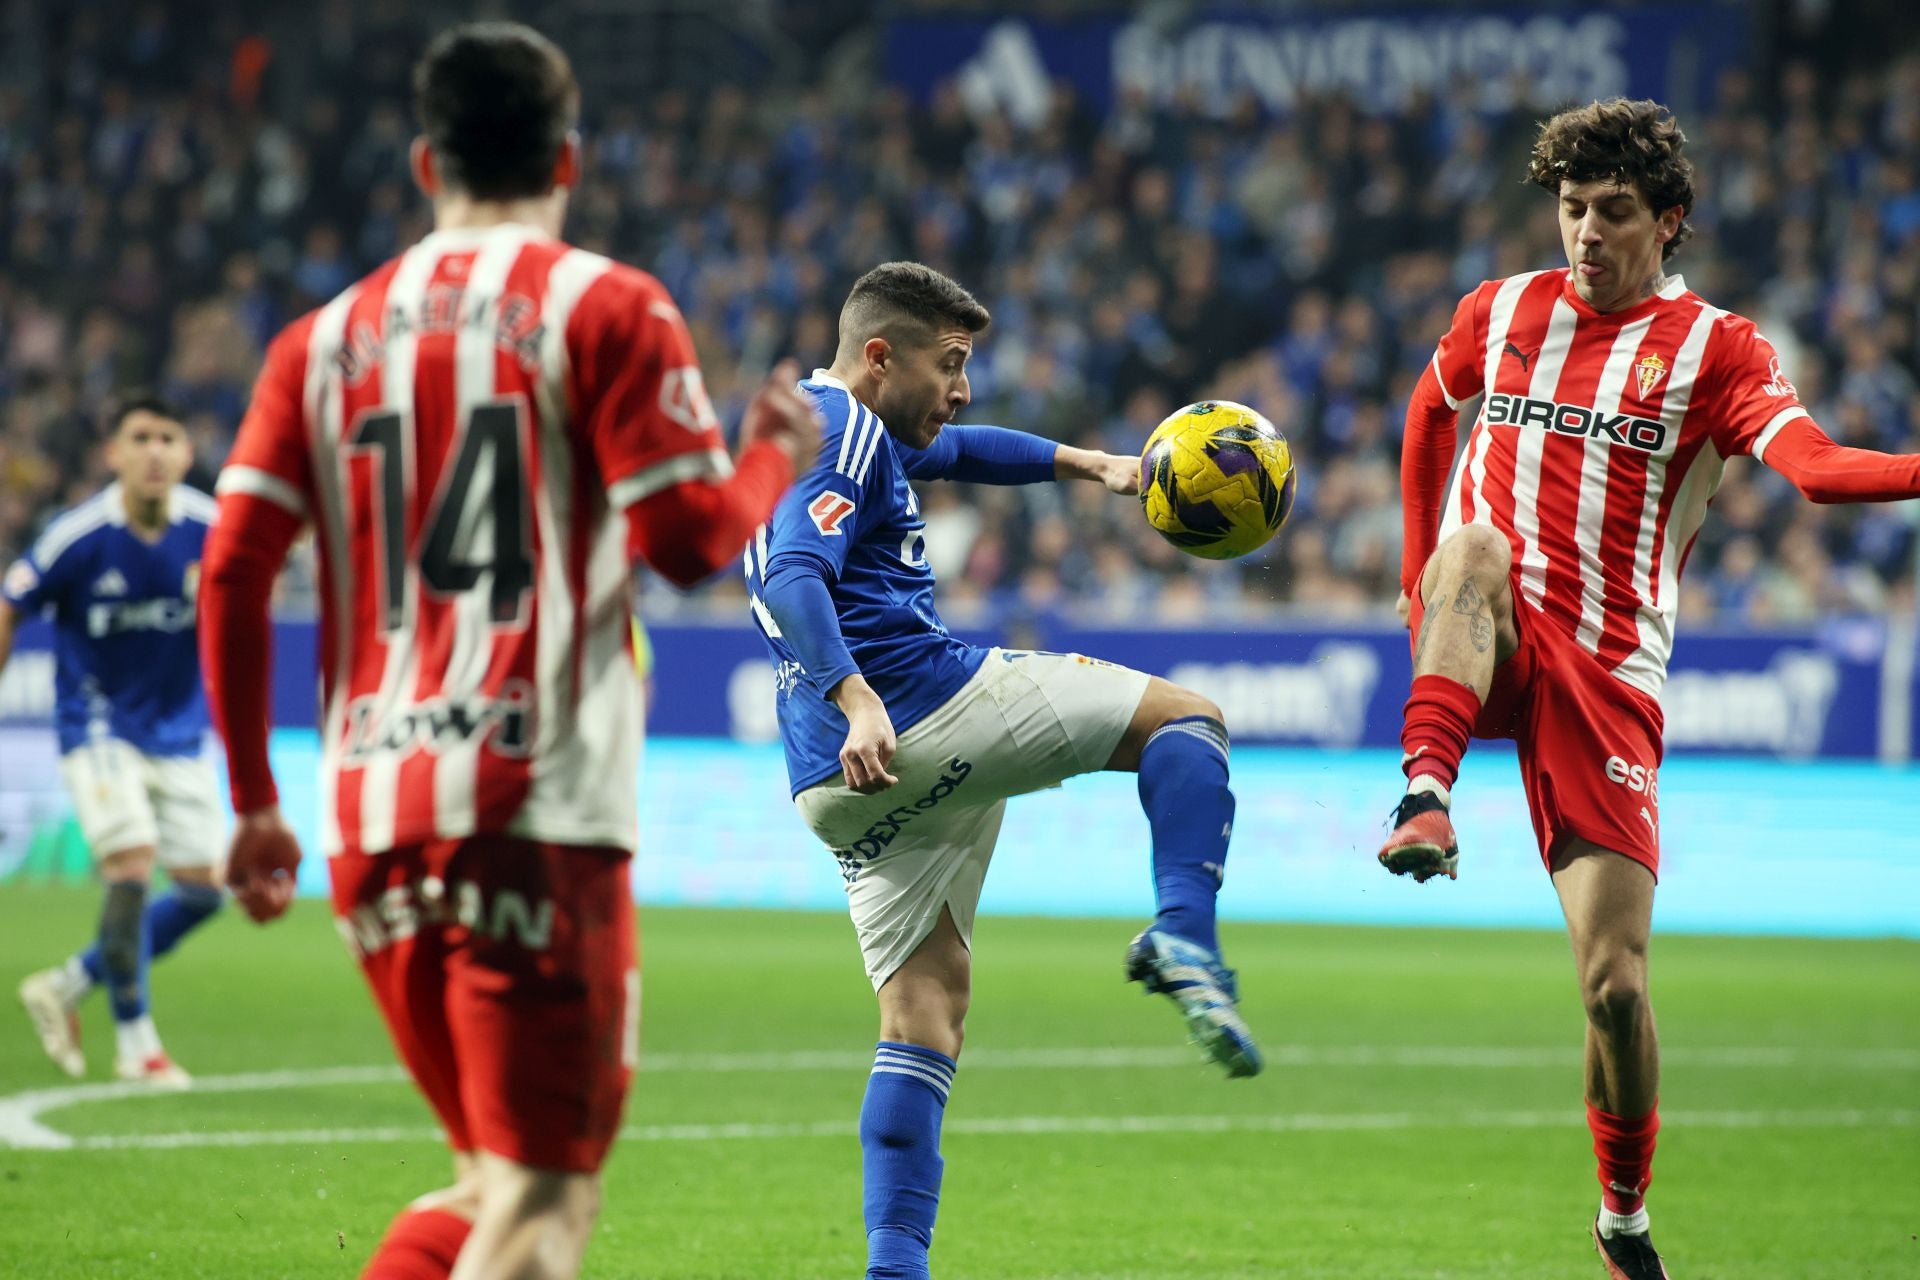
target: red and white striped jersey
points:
(1599, 443)
(461, 428)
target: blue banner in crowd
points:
(1218, 56)
(1838, 690)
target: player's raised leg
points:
(532, 1223)
(923, 1010)
(1177, 743)
(424, 1242)
(1465, 629)
(1608, 902)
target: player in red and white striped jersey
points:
(1543, 584)
(484, 435)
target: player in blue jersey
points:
(903, 743)
(118, 573)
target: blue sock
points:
(169, 919)
(900, 1139)
(1183, 788)
(124, 946)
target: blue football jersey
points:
(126, 660)
(855, 514)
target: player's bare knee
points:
(1615, 995)
(201, 877)
(1185, 704)
(1475, 553)
(134, 865)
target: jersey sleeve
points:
(1753, 398)
(271, 458)
(1432, 433)
(822, 515)
(638, 391)
(1459, 362)
(37, 579)
(983, 455)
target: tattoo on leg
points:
(1426, 630)
(1471, 605)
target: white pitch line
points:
(1465, 1058)
(21, 1127)
(1335, 1122)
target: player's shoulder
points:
(78, 525)
(194, 506)
(608, 290)
(851, 433)
(1487, 290)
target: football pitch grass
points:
(1419, 1117)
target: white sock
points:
(136, 1040)
(1426, 783)
(72, 982)
(1622, 1224)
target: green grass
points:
(1508, 1195)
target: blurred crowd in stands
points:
(163, 211)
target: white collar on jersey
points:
(822, 376)
(1673, 288)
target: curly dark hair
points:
(1633, 142)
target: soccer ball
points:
(1217, 480)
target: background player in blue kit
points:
(119, 573)
(903, 744)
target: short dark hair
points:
(1633, 142)
(495, 101)
(140, 400)
(907, 302)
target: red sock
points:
(422, 1244)
(1439, 720)
(1625, 1148)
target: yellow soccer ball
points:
(1217, 480)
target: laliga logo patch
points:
(828, 511)
(1649, 371)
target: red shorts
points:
(1589, 744)
(505, 970)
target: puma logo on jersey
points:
(828, 512)
(1506, 410)
(1524, 357)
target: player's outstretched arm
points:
(1827, 472)
(1002, 455)
(691, 530)
(1119, 473)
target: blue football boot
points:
(1194, 979)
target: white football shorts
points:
(1025, 722)
(125, 798)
